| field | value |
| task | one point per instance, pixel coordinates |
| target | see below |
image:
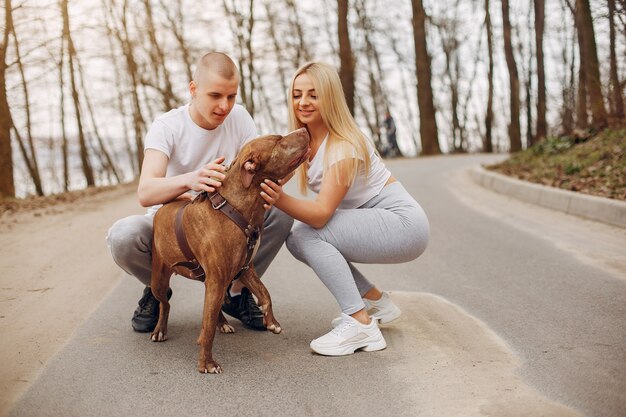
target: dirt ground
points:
(55, 270)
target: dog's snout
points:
(302, 132)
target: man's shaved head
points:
(213, 90)
(216, 63)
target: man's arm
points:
(155, 188)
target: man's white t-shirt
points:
(189, 147)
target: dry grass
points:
(591, 164)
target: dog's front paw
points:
(226, 328)
(209, 367)
(159, 335)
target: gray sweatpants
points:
(130, 242)
(389, 228)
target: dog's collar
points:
(218, 202)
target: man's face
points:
(213, 97)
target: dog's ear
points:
(248, 169)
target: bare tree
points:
(405, 67)
(243, 27)
(615, 97)
(71, 54)
(177, 23)
(541, 78)
(450, 43)
(584, 23)
(346, 72)
(64, 141)
(488, 141)
(162, 80)
(302, 50)
(329, 26)
(7, 186)
(120, 84)
(30, 155)
(428, 123)
(528, 85)
(514, 126)
(375, 76)
(103, 155)
(568, 87)
(122, 35)
(278, 47)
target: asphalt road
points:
(557, 318)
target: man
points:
(178, 148)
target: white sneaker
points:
(384, 310)
(349, 336)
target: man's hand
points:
(209, 177)
(185, 197)
(271, 192)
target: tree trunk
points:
(616, 98)
(529, 111)
(375, 77)
(133, 73)
(7, 185)
(428, 123)
(542, 127)
(104, 156)
(567, 116)
(158, 62)
(581, 104)
(244, 52)
(84, 154)
(64, 144)
(30, 160)
(488, 141)
(450, 46)
(120, 87)
(590, 60)
(514, 126)
(346, 72)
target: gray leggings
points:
(389, 228)
(130, 242)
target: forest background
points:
(81, 80)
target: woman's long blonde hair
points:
(344, 137)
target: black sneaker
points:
(244, 308)
(146, 315)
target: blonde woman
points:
(362, 214)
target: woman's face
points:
(304, 100)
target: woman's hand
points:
(271, 192)
(209, 177)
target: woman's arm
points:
(318, 212)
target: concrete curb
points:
(600, 209)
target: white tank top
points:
(363, 188)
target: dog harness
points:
(218, 202)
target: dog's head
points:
(272, 156)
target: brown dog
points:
(217, 243)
